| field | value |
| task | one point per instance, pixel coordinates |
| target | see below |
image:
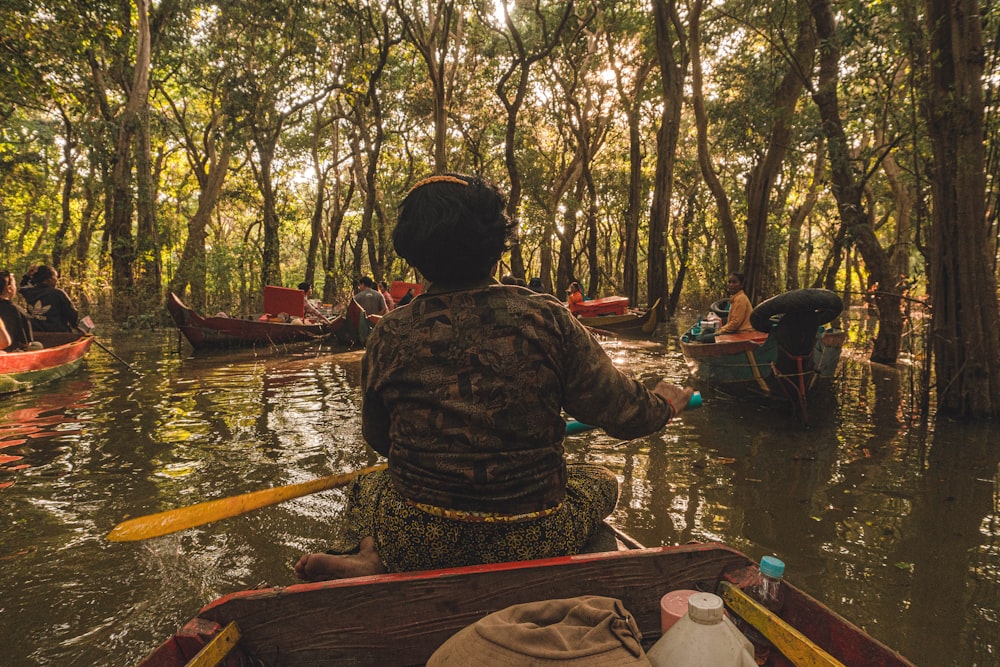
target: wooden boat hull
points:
(401, 619)
(748, 358)
(63, 354)
(226, 332)
(634, 323)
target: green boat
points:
(788, 354)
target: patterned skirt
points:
(409, 538)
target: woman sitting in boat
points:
(574, 296)
(739, 307)
(463, 392)
(49, 307)
(13, 316)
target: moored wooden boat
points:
(628, 323)
(61, 354)
(787, 355)
(401, 619)
(221, 332)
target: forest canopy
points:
(648, 149)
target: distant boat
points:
(612, 314)
(62, 354)
(222, 332)
(787, 355)
(391, 620)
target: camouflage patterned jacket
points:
(464, 392)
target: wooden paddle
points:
(182, 518)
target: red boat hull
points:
(63, 353)
(632, 323)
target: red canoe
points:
(63, 353)
(401, 619)
(220, 332)
(633, 322)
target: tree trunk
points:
(672, 65)
(725, 212)
(69, 149)
(849, 191)
(963, 285)
(764, 173)
(150, 272)
(798, 217)
(192, 270)
(271, 252)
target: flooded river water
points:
(891, 521)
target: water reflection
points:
(891, 523)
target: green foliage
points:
(336, 87)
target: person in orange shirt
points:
(575, 296)
(739, 307)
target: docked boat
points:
(221, 332)
(612, 314)
(401, 619)
(786, 355)
(61, 354)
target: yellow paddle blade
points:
(182, 518)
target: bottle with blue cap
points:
(768, 591)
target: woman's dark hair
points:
(305, 287)
(452, 228)
(739, 276)
(43, 273)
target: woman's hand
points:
(677, 397)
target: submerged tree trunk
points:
(963, 285)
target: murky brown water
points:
(891, 522)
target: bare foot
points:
(321, 567)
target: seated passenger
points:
(464, 390)
(49, 307)
(574, 296)
(739, 307)
(14, 318)
(5, 339)
(312, 306)
(383, 289)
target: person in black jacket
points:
(49, 307)
(14, 319)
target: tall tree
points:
(848, 188)
(274, 46)
(782, 106)
(672, 58)
(708, 172)
(123, 122)
(436, 29)
(631, 60)
(208, 147)
(526, 49)
(962, 280)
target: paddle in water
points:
(182, 518)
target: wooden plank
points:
(218, 648)
(795, 646)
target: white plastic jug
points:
(704, 637)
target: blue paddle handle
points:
(573, 426)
